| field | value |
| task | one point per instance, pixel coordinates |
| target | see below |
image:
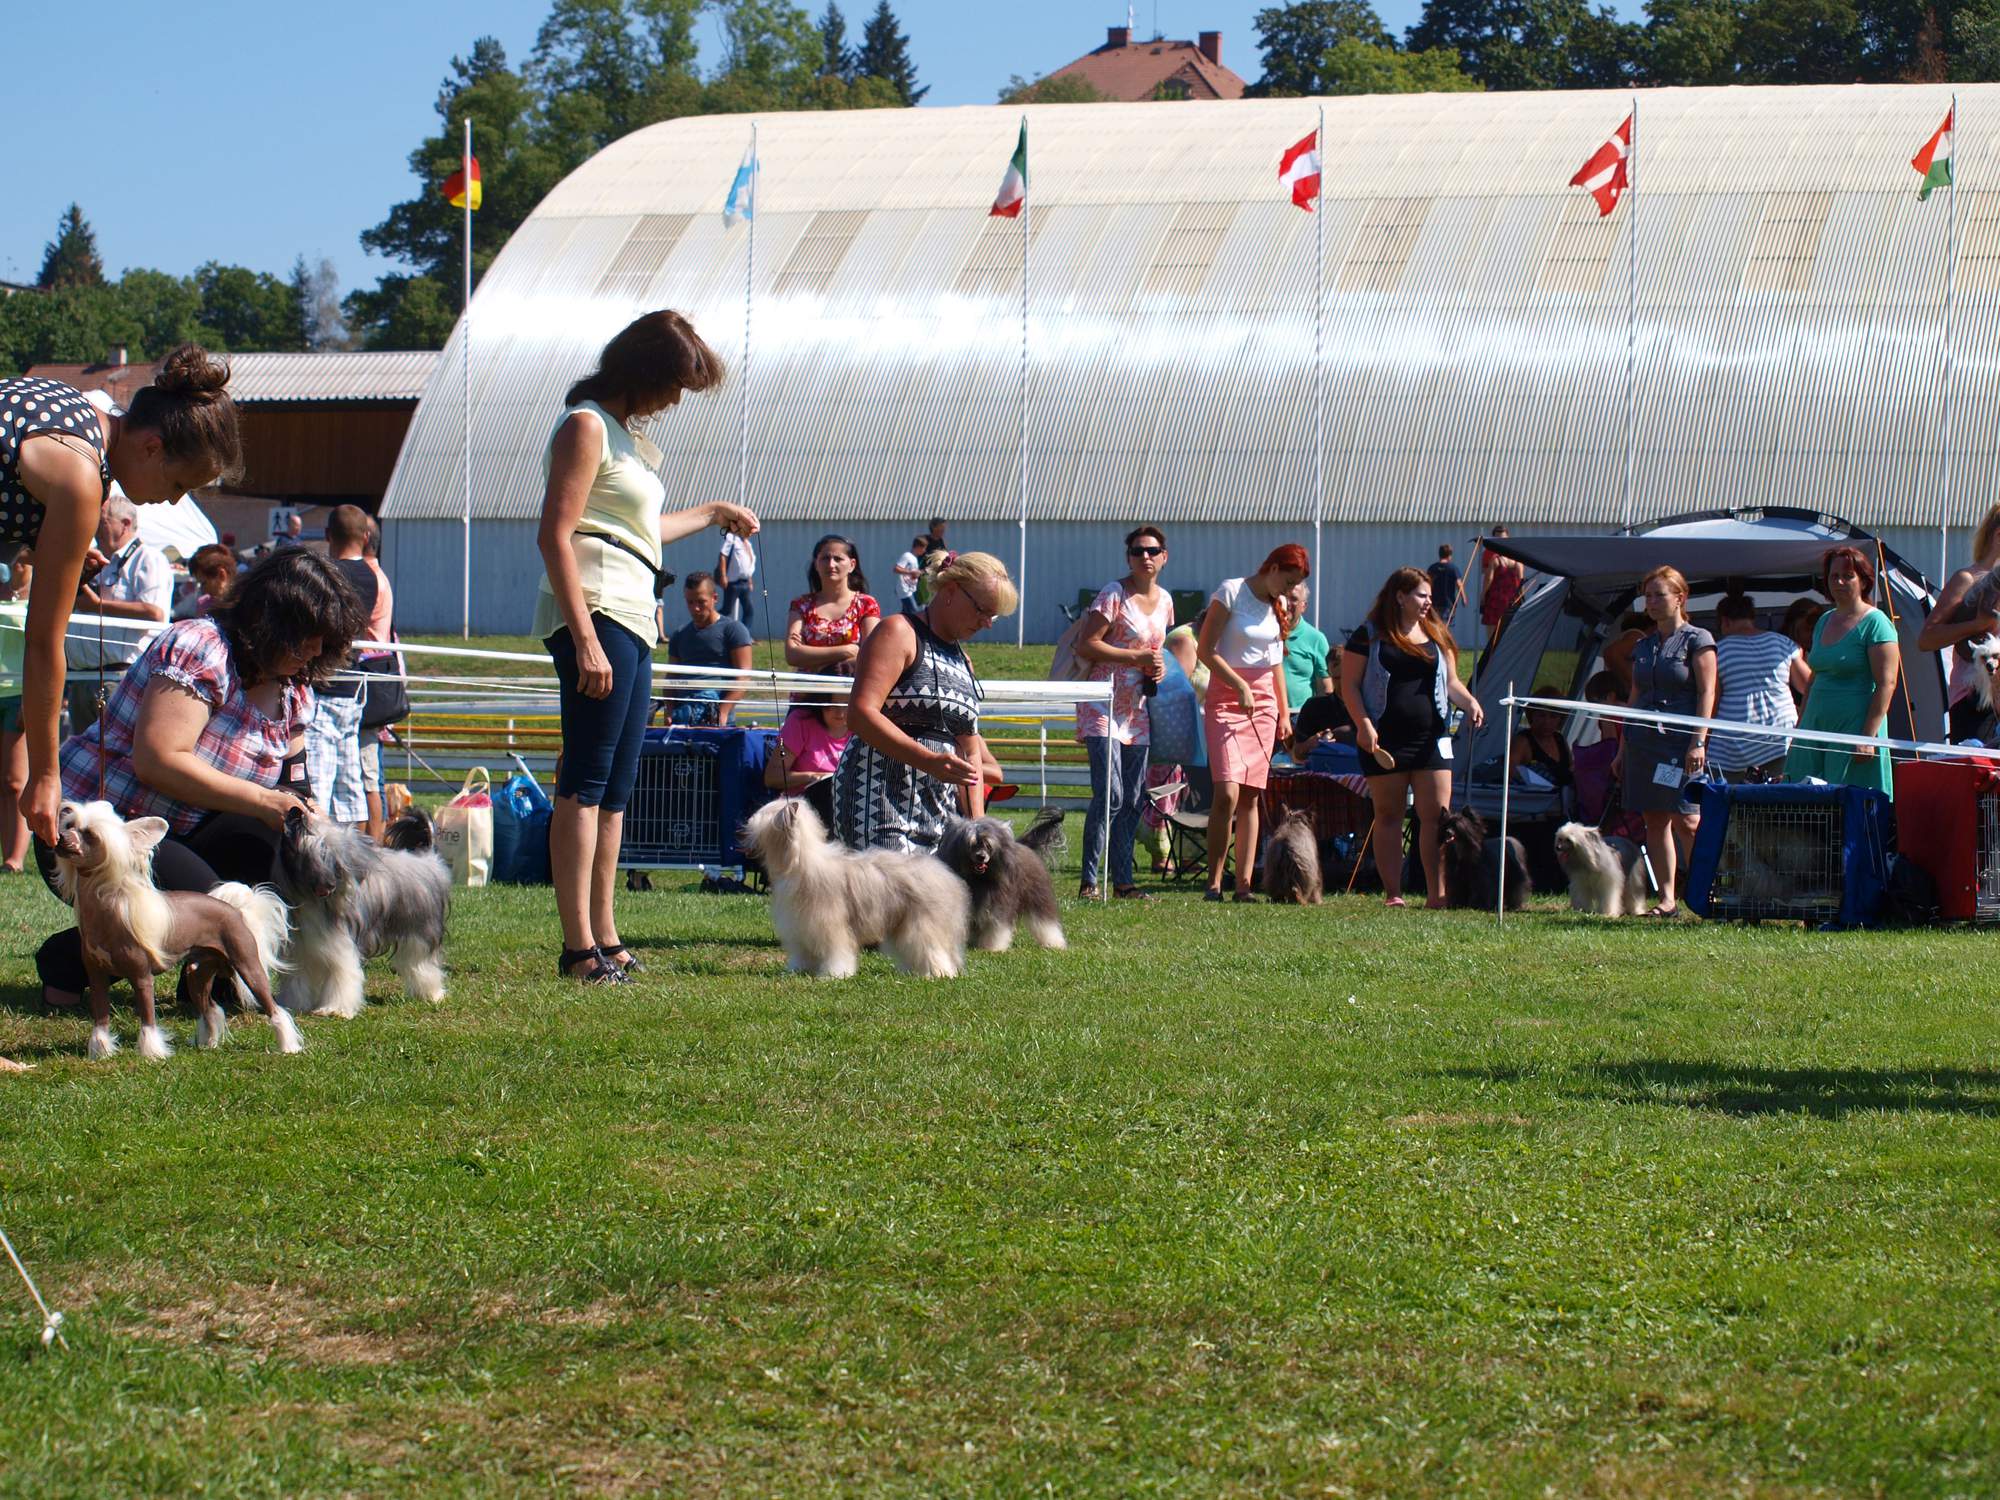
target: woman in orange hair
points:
(1243, 646)
(1399, 678)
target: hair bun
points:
(191, 371)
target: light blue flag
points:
(742, 202)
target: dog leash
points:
(51, 1321)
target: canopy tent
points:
(182, 526)
(1556, 632)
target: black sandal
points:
(612, 953)
(601, 971)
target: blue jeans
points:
(1117, 794)
(735, 602)
(602, 736)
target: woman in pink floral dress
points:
(1123, 638)
(825, 628)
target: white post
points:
(1950, 284)
(1631, 313)
(1319, 369)
(465, 370)
(1021, 581)
(1506, 783)
(749, 294)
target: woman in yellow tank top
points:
(604, 521)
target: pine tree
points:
(833, 35)
(71, 258)
(885, 54)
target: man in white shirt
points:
(910, 568)
(734, 569)
(133, 582)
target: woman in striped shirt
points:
(1758, 672)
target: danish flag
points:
(1604, 176)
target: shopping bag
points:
(465, 830)
(521, 814)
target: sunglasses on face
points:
(1145, 551)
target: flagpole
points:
(1950, 284)
(465, 370)
(1319, 367)
(749, 285)
(1021, 580)
(1631, 306)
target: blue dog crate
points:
(1791, 852)
(695, 788)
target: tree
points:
(1800, 41)
(402, 312)
(1532, 44)
(885, 54)
(1351, 66)
(316, 296)
(71, 258)
(1070, 88)
(839, 59)
(770, 48)
(1691, 43)
(166, 308)
(1295, 39)
(249, 309)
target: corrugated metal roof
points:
(394, 375)
(1790, 290)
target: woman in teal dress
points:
(1854, 660)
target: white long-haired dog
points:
(828, 903)
(133, 930)
(357, 899)
(1985, 652)
(1606, 875)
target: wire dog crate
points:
(1948, 825)
(695, 788)
(1785, 852)
(1333, 808)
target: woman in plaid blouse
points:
(206, 730)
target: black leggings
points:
(222, 846)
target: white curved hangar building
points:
(1790, 297)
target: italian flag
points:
(1014, 186)
(1934, 161)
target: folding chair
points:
(1187, 820)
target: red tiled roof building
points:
(1130, 71)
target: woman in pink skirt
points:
(1243, 646)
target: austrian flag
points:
(1298, 169)
(1605, 176)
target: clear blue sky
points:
(250, 133)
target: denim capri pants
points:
(602, 736)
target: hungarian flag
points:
(1604, 176)
(1014, 186)
(1298, 169)
(455, 185)
(1934, 161)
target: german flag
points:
(455, 186)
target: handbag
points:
(465, 830)
(521, 815)
(385, 697)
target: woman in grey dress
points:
(1673, 671)
(914, 713)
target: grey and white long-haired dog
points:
(354, 900)
(828, 903)
(1008, 881)
(1291, 861)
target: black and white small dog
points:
(355, 900)
(1008, 881)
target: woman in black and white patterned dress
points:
(914, 714)
(58, 457)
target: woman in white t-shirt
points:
(1245, 714)
(1124, 639)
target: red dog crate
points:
(1948, 824)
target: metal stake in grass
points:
(1506, 781)
(51, 1321)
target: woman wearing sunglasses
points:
(1123, 638)
(914, 713)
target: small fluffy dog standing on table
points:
(134, 931)
(356, 899)
(828, 903)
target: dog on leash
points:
(1472, 861)
(1290, 862)
(356, 899)
(1606, 875)
(1007, 880)
(828, 903)
(133, 930)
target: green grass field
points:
(1223, 1201)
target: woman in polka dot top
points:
(58, 457)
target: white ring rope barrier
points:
(1731, 728)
